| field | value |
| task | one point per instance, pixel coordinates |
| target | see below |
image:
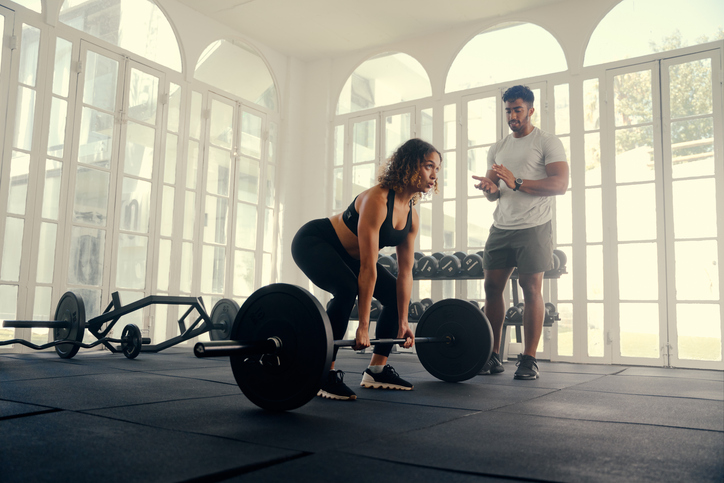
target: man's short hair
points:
(519, 92)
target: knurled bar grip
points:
(418, 340)
(37, 324)
(237, 348)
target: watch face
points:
(518, 181)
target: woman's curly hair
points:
(403, 168)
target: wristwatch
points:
(518, 182)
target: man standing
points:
(532, 167)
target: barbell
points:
(281, 345)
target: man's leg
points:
(494, 283)
(534, 313)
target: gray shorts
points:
(530, 249)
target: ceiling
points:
(315, 29)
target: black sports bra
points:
(389, 237)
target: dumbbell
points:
(475, 303)
(515, 313)
(415, 311)
(415, 267)
(389, 263)
(551, 314)
(426, 303)
(375, 309)
(472, 265)
(562, 258)
(428, 266)
(450, 265)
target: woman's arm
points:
(405, 260)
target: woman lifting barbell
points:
(339, 254)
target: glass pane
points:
(174, 107)
(132, 253)
(187, 265)
(164, 265)
(8, 307)
(699, 332)
(246, 226)
(34, 5)
(51, 188)
(690, 88)
(169, 170)
(167, 211)
(135, 205)
(85, 260)
(338, 145)
(591, 118)
(450, 126)
(594, 271)
(160, 323)
(268, 230)
(140, 142)
(363, 177)
(273, 142)
(18, 189)
(426, 125)
(564, 218)
(251, 135)
(425, 226)
(243, 273)
(101, 76)
(639, 330)
(448, 233)
(213, 263)
(449, 178)
(189, 215)
(96, 138)
(689, 198)
(215, 219)
(143, 97)
(638, 272)
(24, 119)
(563, 113)
(270, 185)
(91, 196)
(638, 224)
(266, 269)
(478, 166)
(397, 131)
(634, 154)
(594, 215)
(482, 61)
(192, 164)
(12, 249)
(29, 46)
(56, 134)
(61, 72)
(565, 329)
(248, 182)
(385, 79)
(221, 124)
(218, 174)
(195, 121)
(42, 309)
(46, 252)
(632, 98)
(364, 141)
(482, 121)
(592, 144)
(565, 284)
(697, 270)
(596, 340)
(237, 68)
(692, 147)
(338, 189)
(480, 217)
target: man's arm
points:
(556, 182)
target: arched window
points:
(236, 68)
(138, 26)
(639, 27)
(505, 52)
(383, 80)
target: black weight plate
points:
(131, 341)
(473, 264)
(472, 334)
(449, 265)
(71, 309)
(428, 266)
(298, 319)
(223, 314)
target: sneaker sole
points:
(336, 397)
(382, 385)
(525, 378)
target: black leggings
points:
(319, 253)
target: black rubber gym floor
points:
(170, 417)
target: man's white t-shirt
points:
(526, 158)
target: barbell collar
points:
(37, 324)
(237, 348)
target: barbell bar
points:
(280, 348)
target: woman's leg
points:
(388, 321)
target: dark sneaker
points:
(527, 367)
(335, 388)
(387, 379)
(493, 366)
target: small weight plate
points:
(131, 341)
(473, 264)
(71, 309)
(472, 340)
(223, 314)
(298, 319)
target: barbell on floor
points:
(281, 345)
